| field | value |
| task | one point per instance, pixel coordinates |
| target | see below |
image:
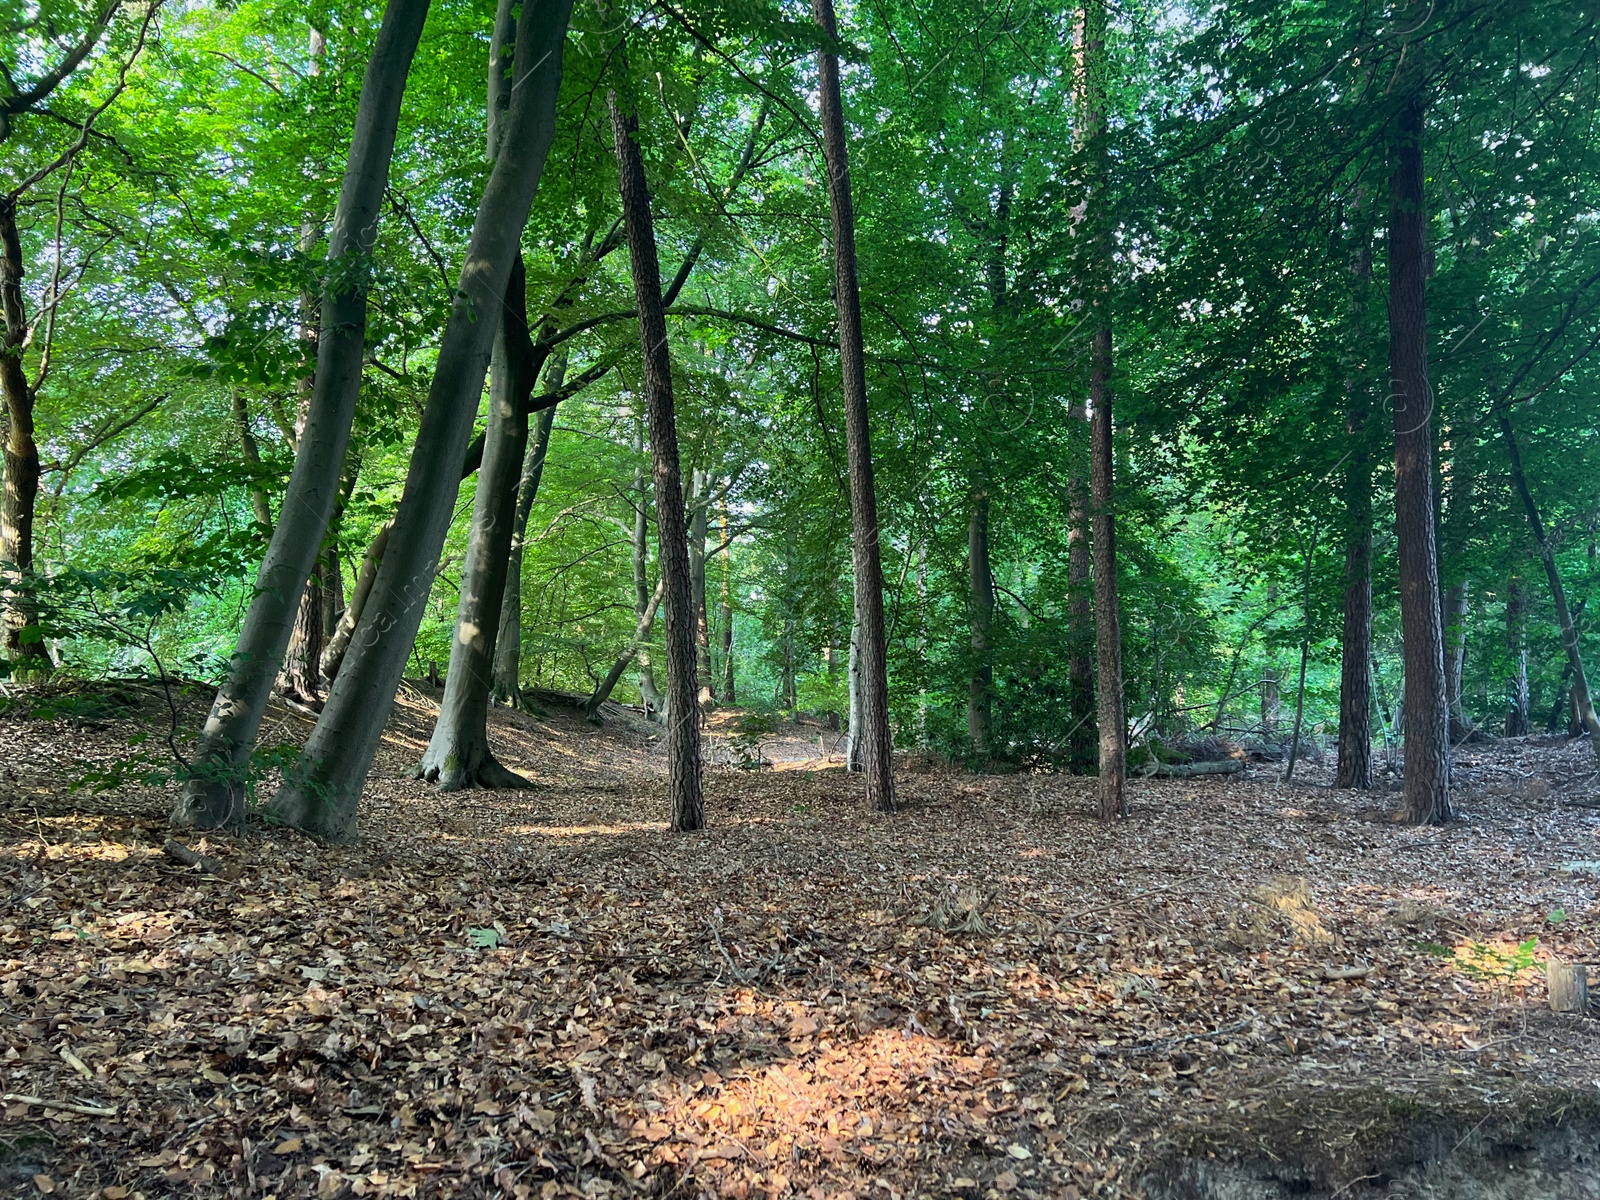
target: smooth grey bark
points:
(339, 641)
(214, 795)
(683, 722)
(649, 693)
(854, 751)
(725, 613)
(877, 744)
(508, 643)
(641, 633)
(1518, 702)
(458, 754)
(1426, 716)
(320, 795)
(980, 605)
(699, 522)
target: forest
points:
(746, 598)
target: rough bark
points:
(980, 607)
(24, 646)
(214, 796)
(321, 794)
(1580, 699)
(1427, 720)
(458, 754)
(1518, 702)
(1096, 278)
(683, 725)
(876, 740)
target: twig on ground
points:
(86, 1110)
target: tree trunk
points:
(250, 451)
(698, 524)
(24, 645)
(1354, 768)
(1582, 703)
(1271, 701)
(1305, 657)
(1517, 699)
(1096, 249)
(641, 631)
(876, 740)
(214, 795)
(508, 643)
(1082, 738)
(339, 641)
(649, 692)
(980, 585)
(1457, 600)
(854, 757)
(683, 727)
(729, 696)
(321, 795)
(1427, 720)
(458, 754)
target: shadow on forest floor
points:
(544, 993)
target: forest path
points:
(543, 992)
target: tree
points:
(683, 713)
(871, 637)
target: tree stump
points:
(1569, 987)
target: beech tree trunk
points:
(1113, 729)
(1580, 699)
(1426, 717)
(1082, 739)
(214, 795)
(854, 756)
(641, 632)
(508, 643)
(321, 794)
(729, 696)
(1456, 608)
(649, 691)
(1518, 702)
(24, 645)
(683, 724)
(980, 602)
(699, 522)
(876, 741)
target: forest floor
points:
(990, 993)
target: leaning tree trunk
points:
(877, 746)
(214, 796)
(1427, 718)
(641, 633)
(1096, 277)
(980, 589)
(458, 753)
(24, 645)
(321, 794)
(1517, 699)
(1582, 703)
(683, 726)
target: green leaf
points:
(1556, 915)
(485, 939)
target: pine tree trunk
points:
(1580, 699)
(1518, 702)
(214, 795)
(876, 740)
(24, 646)
(980, 586)
(1113, 730)
(458, 754)
(1427, 719)
(683, 725)
(321, 794)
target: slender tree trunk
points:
(339, 642)
(1427, 719)
(854, 755)
(1517, 699)
(1082, 739)
(508, 643)
(699, 522)
(1456, 609)
(729, 696)
(641, 632)
(321, 794)
(876, 740)
(24, 646)
(214, 796)
(980, 585)
(458, 754)
(683, 727)
(1354, 768)
(649, 692)
(1305, 657)
(250, 451)
(1582, 703)
(1096, 249)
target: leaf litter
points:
(545, 993)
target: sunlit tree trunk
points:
(1427, 719)
(24, 647)
(876, 741)
(683, 725)
(320, 793)
(214, 796)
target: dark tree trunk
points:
(876, 741)
(1517, 699)
(683, 726)
(214, 796)
(24, 646)
(1581, 701)
(320, 795)
(1354, 768)
(1096, 277)
(1427, 719)
(980, 602)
